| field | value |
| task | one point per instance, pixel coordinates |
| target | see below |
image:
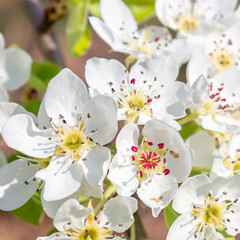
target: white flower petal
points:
(8, 109)
(220, 124)
(234, 144)
(55, 236)
(88, 191)
(157, 132)
(201, 91)
(114, 13)
(96, 166)
(118, 212)
(184, 227)
(14, 192)
(62, 178)
(127, 137)
(193, 191)
(43, 118)
(2, 42)
(105, 75)
(145, 69)
(20, 133)
(203, 145)
(51, 207)
(102, 30)
(197, 66)
(234, 222)
(123, 177)
(103, 112)
(65, 91)
(71, 213)
(158, 193)
(17, 65)
(174, 101)
(3, 95)
(218, 169)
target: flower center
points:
(233, 165)
(72, 140)
(151, 160)
(136, 103)
(222, 59)
(220, 138)
(91, 230)
(216, 104)
(147, 42)
(211, 214)
(187, 23)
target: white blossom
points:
(152, 168)
(206, 207)
(76, 222)
(119, 29)
(143, 93)
(15, 69)
(65, 141)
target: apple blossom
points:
(228, 164)
(145, 92)
(206, 207)
(15, 69)
(67, 136)
(219, 53)
(119, 29)
(79, 223)
(152, 168)
(216, 101)
(192, 18)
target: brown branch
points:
(42, 22)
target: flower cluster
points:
(136, 133)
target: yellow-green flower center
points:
(136, 103)
(187, 23)
(222, 59)
(233, 165)
(91, 230)
(211, 214)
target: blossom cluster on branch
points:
(136, 133)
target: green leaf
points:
(141, 9)
(41, 75)
(33, 106)
(170, 215)
(78, 34)
(30, 212)
(189, 129)
(52, 231)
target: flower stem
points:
(201, 169)
(108, 193)
(187, 119)
(132, 232)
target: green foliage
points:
(170, 215)
(33, 106)
(78, 34)
(141, 9)
(30, 212)
(41, 74)
(189, 129)
(52, 231)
